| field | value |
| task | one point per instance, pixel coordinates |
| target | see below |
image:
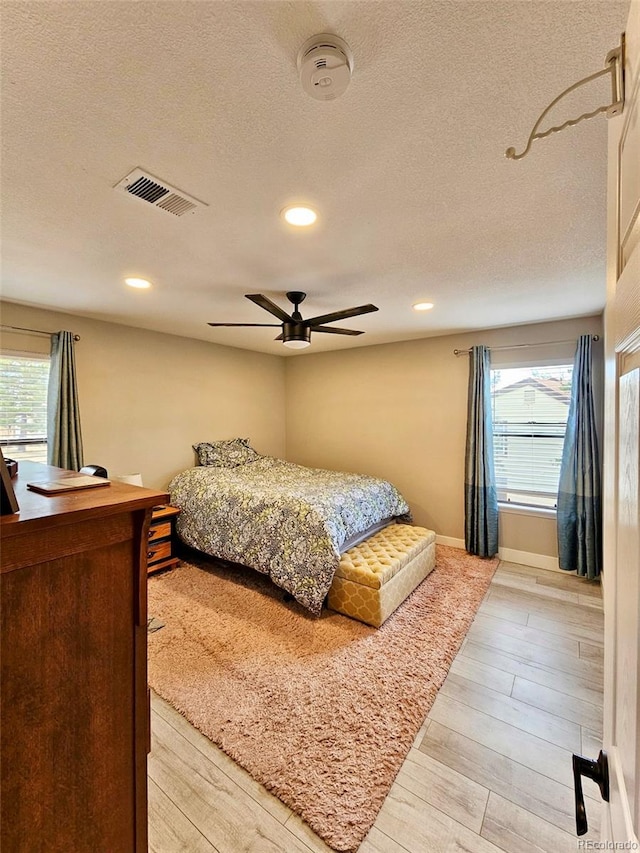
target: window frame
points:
(37, 441)
(519, 507)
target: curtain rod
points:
(526, 346)
(35, 331)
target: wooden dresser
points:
(73, 668)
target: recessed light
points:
(140, 283)
(422, 306)
(300, 216)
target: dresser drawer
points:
(161, 539)
(157, 551)
(160, 530)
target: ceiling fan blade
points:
(265, 325)
(280, 337)
(334, 330)
(269, 306)
(340, 315)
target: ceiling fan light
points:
(297, 344)
(299, 216)
(296, 335)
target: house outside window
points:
(530, 407)
(23, 406)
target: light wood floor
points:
(489, 771)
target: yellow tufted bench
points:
(375, 577)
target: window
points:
(530, 408)
(23, 406)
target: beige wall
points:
(399, 411)
(146, 397)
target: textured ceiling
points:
(407, 169)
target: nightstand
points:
(161, 544)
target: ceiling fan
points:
(296, 332)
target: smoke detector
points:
(325, 64)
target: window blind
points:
(23, 406)
(530, 408)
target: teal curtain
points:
(579, 494)
(481, 499)
(64, 436)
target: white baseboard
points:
(528, 558)
(449, 540)
(511, 555)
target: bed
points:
(285, 520)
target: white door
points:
(621, 577)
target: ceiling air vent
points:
(154, 191)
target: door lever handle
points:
(598, 771)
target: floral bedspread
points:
(284, 520)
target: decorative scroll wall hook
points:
(614, 66)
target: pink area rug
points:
(322, 711)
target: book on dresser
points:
(68, 484)
(73, 667)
